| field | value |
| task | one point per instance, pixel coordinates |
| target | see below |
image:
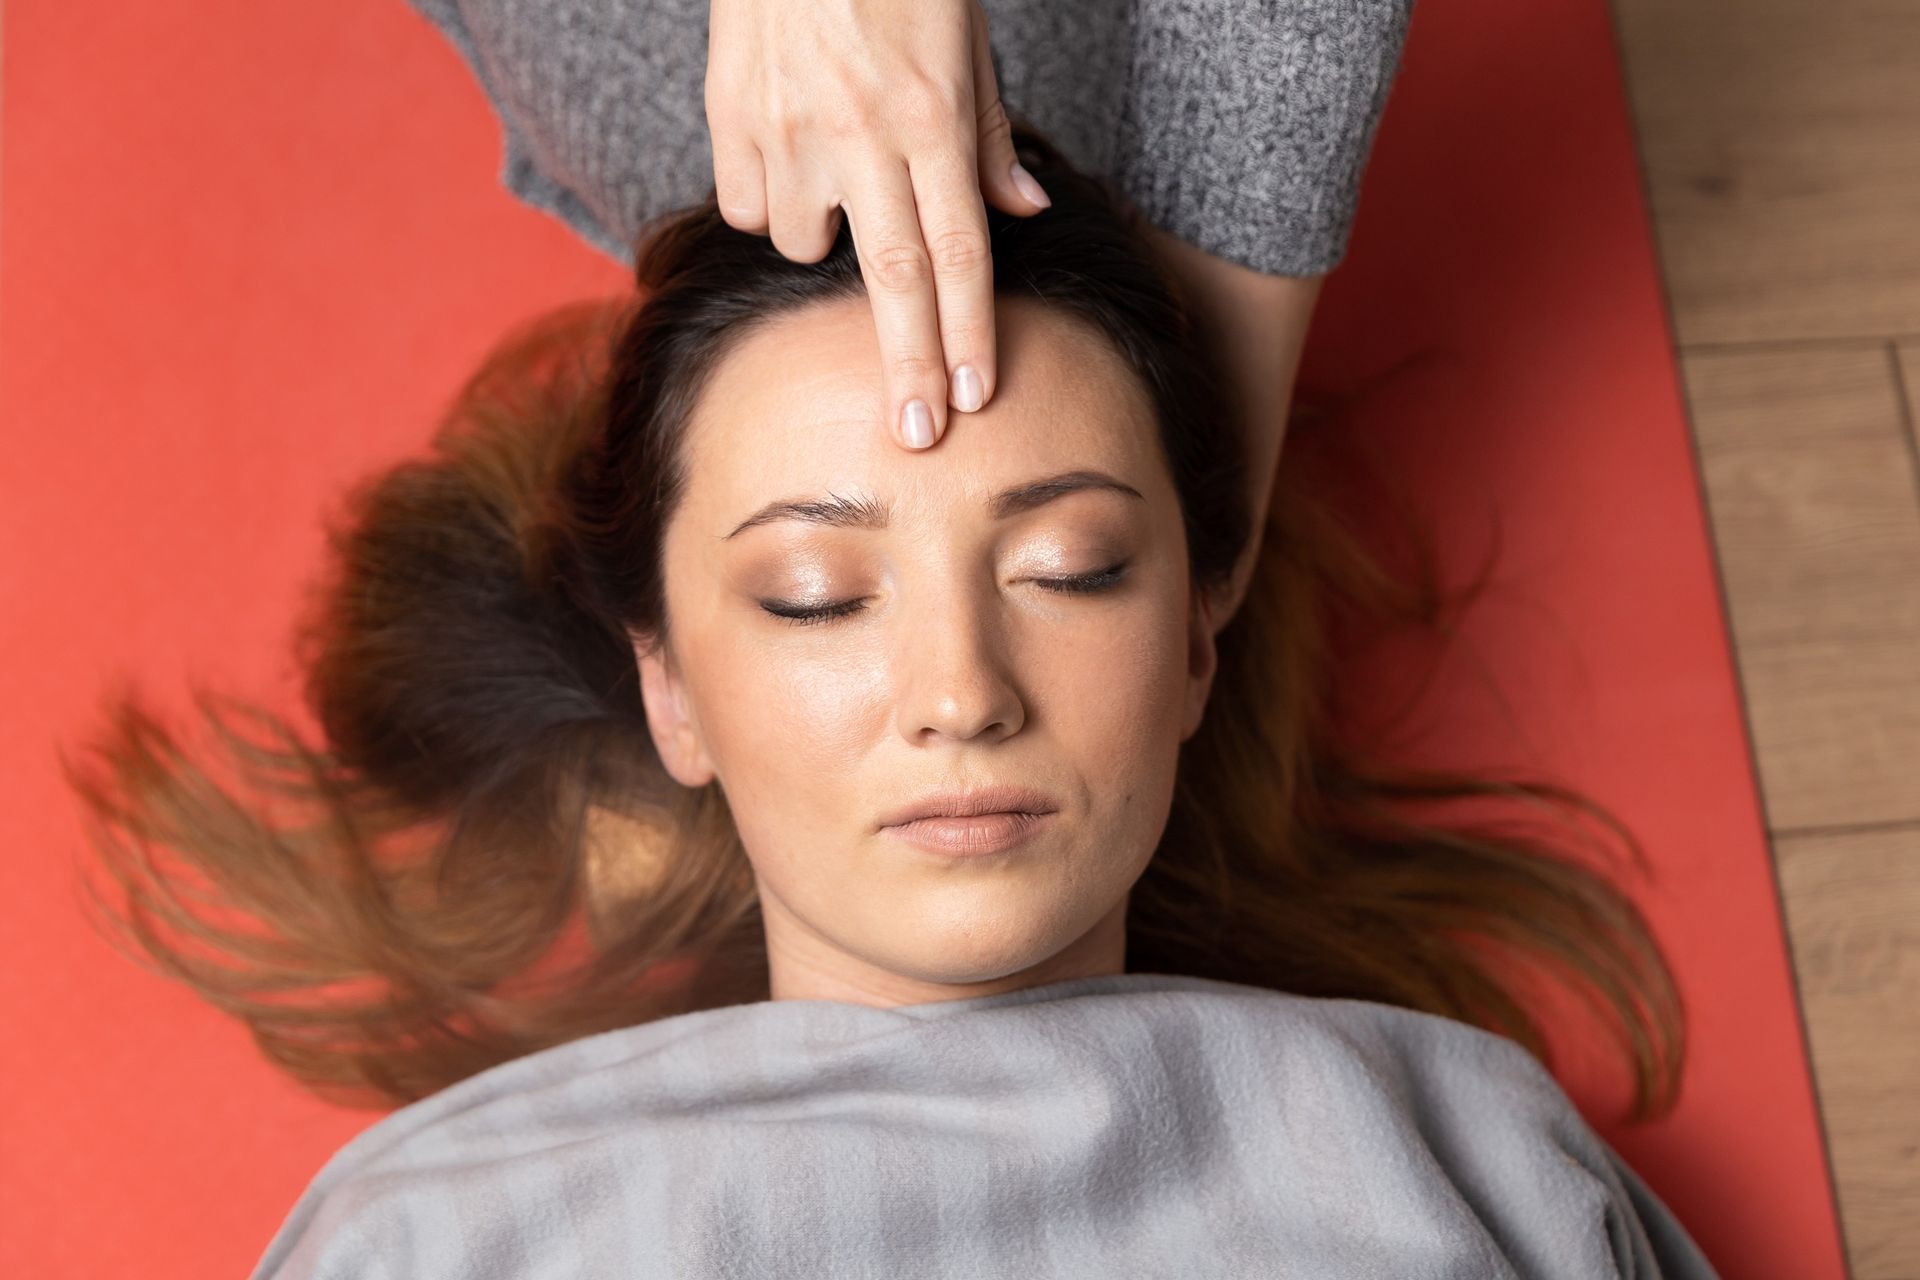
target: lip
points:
(973, 836)
(972, 802)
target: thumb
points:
(1004, 182)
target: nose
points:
(954, 671)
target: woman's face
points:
(947, 662)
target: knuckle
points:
(959, 252)
(924, 104)
(900, 268)
(962, 341)
(727, 114)
(734, 183)
(851, 116)
(741, 209)
(994, 122)
(784, 132)
(914, 369)
(797, 246)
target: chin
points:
(987, 945)
(967, 976)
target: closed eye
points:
(1076, 584)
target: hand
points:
(889, 110)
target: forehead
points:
(797, 406)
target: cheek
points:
(780, 718)
(1116, 696)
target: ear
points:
(1203, 659)
(676, 733)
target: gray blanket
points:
(1117, 1126)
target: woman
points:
(627, 872)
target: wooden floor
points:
(1780, 141)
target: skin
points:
(959, 667)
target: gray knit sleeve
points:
(1247, 127)
(1241, 126)
(601, 103)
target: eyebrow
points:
(868, 513)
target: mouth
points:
(974, 802)
(971, 835)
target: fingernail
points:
(1029, 186)
(916, 424)
(967, 392)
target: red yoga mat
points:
(246, 253)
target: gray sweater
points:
(1240, 126)
(1131, 1125)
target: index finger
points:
(898, 272)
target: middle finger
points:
(953, 219)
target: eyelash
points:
(1078, 584)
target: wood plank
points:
(1853, 914)
(1812, 495)
(1907, 356)
(1781, 145)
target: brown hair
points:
(484, 856)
